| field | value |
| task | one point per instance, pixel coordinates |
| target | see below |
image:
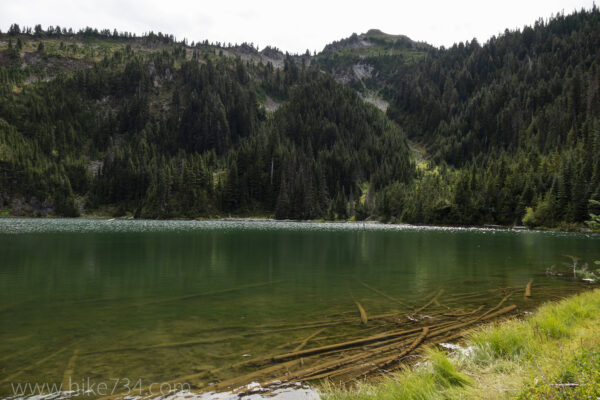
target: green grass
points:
(553, 354)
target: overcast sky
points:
(291, 26)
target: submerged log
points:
(357, 363)
(305, 341)
(464, 313)
(35, 364)
(321, 369)
(209, 293)
(363, 314)
(491, 310)
(343, 345)
(318, 371)
(379, 292)
(482, 317)
(68, 374)
(388, 360)
(211, 340)
(430, 302)
(235, 383)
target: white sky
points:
(291, 26)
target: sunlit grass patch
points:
(579, 378)
(505, 341)
(444, 371)
(435, 381)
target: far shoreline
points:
(251, 219)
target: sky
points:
(291, 26)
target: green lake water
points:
(106, 300)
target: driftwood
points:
(346, 358)
(68, 374)
(388, 360)
(305, 341)
(35, 364)
(324, 338)
(430, 302)
(333, 367)
(267, 329)
(315, 370)
(322, 370)
(166, 345)
(349, 358)
(486, 293)
(379, 362)
(480, 318)
(241, 380)
(363, 314)
(325, 369)
(379, 292)
(528, 289)
(379, 337)
(491, 310)
(210, 293)
(216, 339)
(343, 345)
(464, 313)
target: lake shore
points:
(553, 353)
(574, 229)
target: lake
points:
(124, 303)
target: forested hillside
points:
(159, 129)
(505, 132)
(511, 128)
(518, 118)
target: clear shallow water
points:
(123, 302)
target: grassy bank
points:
(552, 354)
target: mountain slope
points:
(157, 129)
(511, 126)
(518, 116)
(507, 132)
